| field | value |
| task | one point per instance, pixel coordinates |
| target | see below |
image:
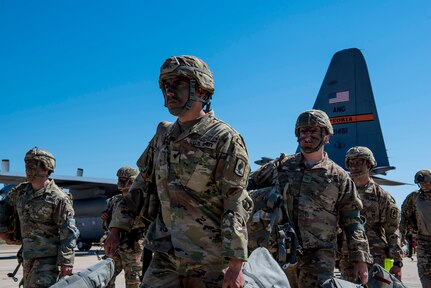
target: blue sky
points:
(79, 78)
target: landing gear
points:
(83, 246)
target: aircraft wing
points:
(263, 161)
(80, 187)
(347, 97)
(382, 170)
(11, 178)
(387, 182)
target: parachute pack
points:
(94, 276)
(339, 283)
(270, 225)
(377, 277)
(261, 271)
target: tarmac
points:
(8, 264)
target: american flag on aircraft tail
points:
(338, 97)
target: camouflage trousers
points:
(169, 271)
(314, 267)
(40, 272)
(424, 261)
(129, 259)
(346, 267)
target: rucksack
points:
(270, 225)
(262, 271)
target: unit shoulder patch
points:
(240, 167)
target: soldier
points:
(128, 255)
(415, 216)
(199, 168)
(316, 191)
(47, 228)
(380, 211)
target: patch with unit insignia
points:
(240, 167)
(394, 213)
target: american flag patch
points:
(339, 97)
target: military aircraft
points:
(347, 97)
(89, 200)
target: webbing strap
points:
(353, 227)
(281, 246)
(350, 214)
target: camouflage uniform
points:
(48, 231)
(382, 221)
(415, 216)
(128, 256)
(315, 196)
(199, 172)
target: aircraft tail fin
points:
(347, 97)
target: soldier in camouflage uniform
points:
(380, 211)
(47, 228)
(198, 167)
(316, 191)
(415, 216)
(128, 255)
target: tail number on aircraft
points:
(340, 131)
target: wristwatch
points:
(398, 263)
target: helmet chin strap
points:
(311, 150)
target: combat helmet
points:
(314, 118)
(127, 172)
(423, 176)
(43, 156)
(360, 152)
(193, 68)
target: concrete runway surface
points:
(8, 263)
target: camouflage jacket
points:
(200, 176)
(415, 213)
(112, 204)
(382, 221)
(316, 198)
(46, 219)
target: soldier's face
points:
(176, 93)
(357, 167)
(123, 184)
(426, 186)
(310, 137)
(34, 169)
